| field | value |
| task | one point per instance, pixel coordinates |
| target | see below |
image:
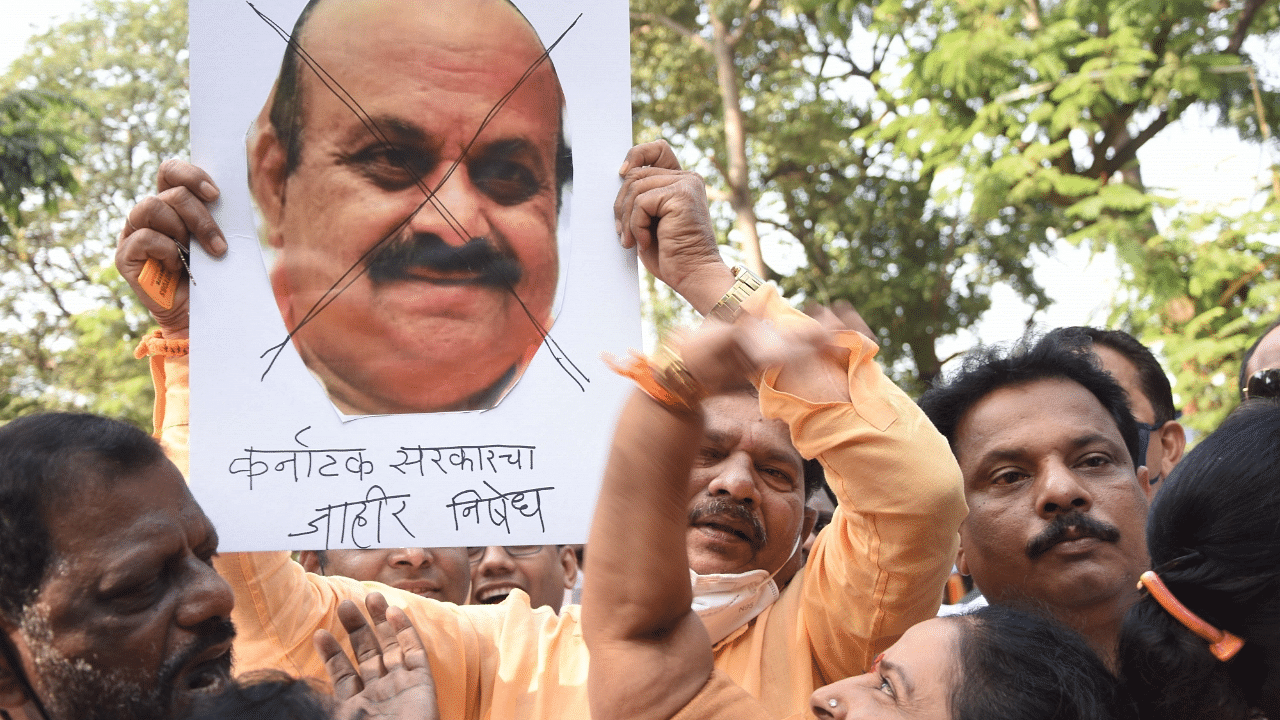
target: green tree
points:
(916, 152)
(860, 217)
(1046, 104)
(35, 164)
(72, 321)
(1050, 102)
(35, 154)
(1211, 286)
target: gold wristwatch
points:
(745, 282)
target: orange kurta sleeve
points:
(722, 699)
(881, 564)
(169, 375)
(489, 661)
(876, 570)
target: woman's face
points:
(912, 679)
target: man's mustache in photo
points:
(409, 255)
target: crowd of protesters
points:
(774, 536)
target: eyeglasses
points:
(476, 554)
(1263, 384)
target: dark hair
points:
(286, 106)
(1214, 540)
(815, 478)
(265, 695)
(1248, 355)
(43, 460)
(1054, 356)
(1155, 384)
(1017, 665)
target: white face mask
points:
(726, 602)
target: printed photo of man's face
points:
(408, 171)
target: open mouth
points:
(494, 595)
(729, 522)
(210, 676)
(728, 530)
(419, 588)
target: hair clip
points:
(1222, 644)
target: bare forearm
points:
(637, 571)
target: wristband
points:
(158, 345)
(665, 379)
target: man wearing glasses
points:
(1260, 367)
(543, 572)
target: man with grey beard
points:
(109, 604)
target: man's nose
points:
(456, 212)
(495, 559)
(1060, 490)
(409, 557)
(205, 595)
(736, 478)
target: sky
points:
(23, 18)
(1191, 160)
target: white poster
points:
(403, 344)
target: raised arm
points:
(160, 228)
(650, 654)
(150, 257)
(881, 565)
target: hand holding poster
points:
(402, 256)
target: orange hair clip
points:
(1222, 644)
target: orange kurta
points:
(877, 569)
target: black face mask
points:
(1144, 440)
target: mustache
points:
(757, 536)
(480, 258)
(1057, 531)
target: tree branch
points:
(732, 38)
(673, 26)
(1129, 150)
(1243, 21)
(1241, 281)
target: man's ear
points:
(1173, 442)
(1144, 482)
(961, 565)
(13, 692)
(310, 561)
(267, 176)
(569, 563)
